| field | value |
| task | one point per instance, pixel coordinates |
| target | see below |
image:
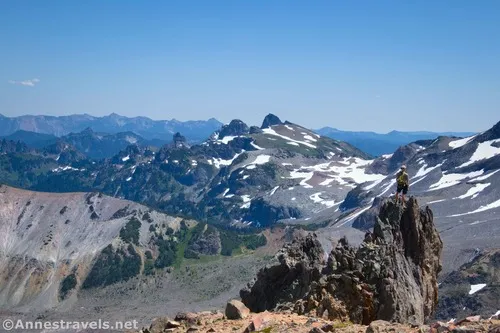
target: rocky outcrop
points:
(300, 263)
(271, 120)
(234, 128)
(255, 130)
(179, 141)
(392, 275)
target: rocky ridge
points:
(392, 276)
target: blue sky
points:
(356, 65)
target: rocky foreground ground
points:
(272, 322)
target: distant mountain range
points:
(161, 131)
(90, 144)
(377, 144)
(195, 131)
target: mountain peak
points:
(235, 128)
(87, 130)
(271, 120)
(179, 141)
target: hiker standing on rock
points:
(402, 180)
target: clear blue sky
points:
(357, 65)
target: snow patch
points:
(451, 179)
(474, 191)
(494, 204)
(436, 201)
(424, 170)
(225, 140)
(217, 162)
(310, 138)
(255, 146)
(274, 190)
(317, 199)
(476, 287)
(270, 131)
(306, 176)
(126, 158)
(290, 128)
(485, 176)
(128, 179)
(461, 142)
(246, 201)
(483, 151)
(293, 143)
(327, 182)
(66, 168)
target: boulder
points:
(236, 310)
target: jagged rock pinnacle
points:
(271, 120)
(392, 276)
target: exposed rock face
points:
(255, 130)
(392, 276)
(300, 263)
(271, 120)
(179, 141)
(265, 213)
(236, 127)
(491, 134)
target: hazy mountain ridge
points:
(196, 131)
(378, 144)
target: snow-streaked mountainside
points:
(278, 172)
(241, 175)
(458, 178)
(195, 131)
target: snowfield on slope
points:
(474, 191)
(484, 150)
(451, 179)
(494, 204)
(476, 287)
(344, 172)
(460, 142)
(271, 131)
